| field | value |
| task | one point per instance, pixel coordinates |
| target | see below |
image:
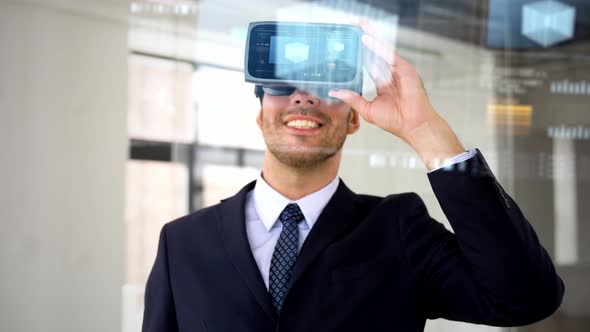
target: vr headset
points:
(314, 57)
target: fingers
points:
(354, 100)
(382, 75)
(367, 27)
(379, 58)
(379, 45)
(383, 50)
(384, 64)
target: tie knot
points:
(291, 214)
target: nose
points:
(303, 98)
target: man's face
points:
(302, 130)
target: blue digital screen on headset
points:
(304, 53)
(287, 50)
(319, 58)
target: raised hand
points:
(402, 106)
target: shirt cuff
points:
(456, 159)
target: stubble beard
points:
(301, 156)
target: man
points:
(296, 250)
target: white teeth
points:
(302, 124)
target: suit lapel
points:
(337, 216)
(232, 227)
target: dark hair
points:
(258, 92)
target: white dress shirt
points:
(264, 205)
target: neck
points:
(295, 183)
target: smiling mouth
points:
(303, 124)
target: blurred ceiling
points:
(467, 20)
(459, 20)
(462, 20)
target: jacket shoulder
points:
(390, 204)
(371, 200)
(205, 217)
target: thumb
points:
(354, 100)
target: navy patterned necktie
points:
(285, 254)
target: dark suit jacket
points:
(369, 264)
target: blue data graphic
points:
(537, 24)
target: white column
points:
(565, 201)
(63, 102)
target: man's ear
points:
(354, 121)
(259, 118)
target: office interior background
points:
(118, 116)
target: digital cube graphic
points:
(548, 22)
(296, 52)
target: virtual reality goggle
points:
(314, 57)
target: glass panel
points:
(161, 122)
(221, 181)
(87, 81)
(160, 100)
(226, 109)
(510, 77)
(156, 194)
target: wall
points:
(63, 101)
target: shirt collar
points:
(269, 203)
